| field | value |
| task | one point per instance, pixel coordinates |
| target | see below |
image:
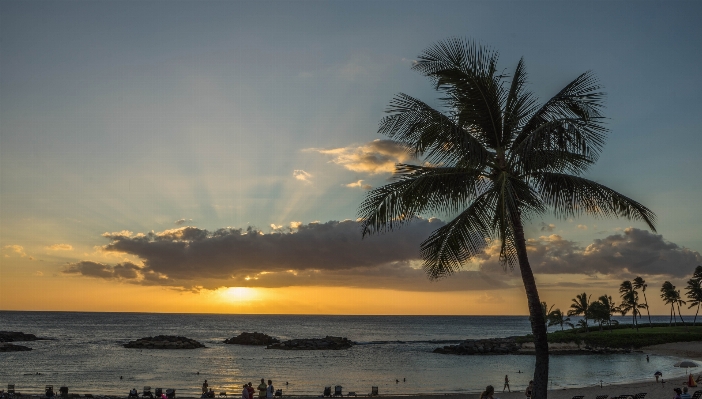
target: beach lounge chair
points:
(697, 395)
(601, 397)
(374, 391)
(279, 392)
(337, 391)
(11, 390)
(578, 397)
(352, 393)
(641, 395)
(327, 392)
(147, 392)
(170, 393)
(63, 392)
(158, 392)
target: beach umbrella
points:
(687, 364)
(657, 373)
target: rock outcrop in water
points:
(14, 336)
(164, 342)
(6, 347)
(510, 345)
(326, 343)
(491, 346)
(254, 338)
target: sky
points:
(211, 156)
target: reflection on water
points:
(86, 355)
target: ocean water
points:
(85, 353)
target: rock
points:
(326, 343)
(164, 342)
(491, 346)
(13, 336)
(254, 338)
(5, 347)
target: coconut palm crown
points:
(492, 158)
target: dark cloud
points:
(124, 270)
(332, 254)
(633, 252)
(547, 227)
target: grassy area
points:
(623, 336)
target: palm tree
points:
(491, 158)
(556, 318)
(679, 301)
(669, 298)
(599, 312)
(611, 307)
(640, 284)
(629, 300)
(546, 310)
(694, 294)
(581, 306)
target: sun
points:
(239, 294)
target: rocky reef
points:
(326, 343)
(510, 345)
(491, 346)
(254, 338)
(6, 347)
(164, 342)
(14, 336)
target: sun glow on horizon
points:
(239, 294)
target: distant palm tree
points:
(599, 312)
(545, 309)
(629, 300)
(668, 294)
(694, 291)
(581, 306)
(694, 294)
(493, 157)
(556, 318)
(679, 301)
(611, 307)
(640, 284)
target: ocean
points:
(85, 353)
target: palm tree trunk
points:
(635, 325)
(681, 319)
(695, 319)
(538, 325)
(647, 311)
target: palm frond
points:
(418, 189)
(518, 105)
(466, 72)
(430, 133)
(572, 196)
(570, 121)
(450, 246)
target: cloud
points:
(329, 254)
(301, 175)
(582, 227)
(60, 247)
(377, 156)
(359, 184)
(38, 273)
(17, 249)
(635, 252)
(126, 270)
(181, 222)
(547, 227)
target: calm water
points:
(86, 355)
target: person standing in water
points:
(270, 390)
(506, 384)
